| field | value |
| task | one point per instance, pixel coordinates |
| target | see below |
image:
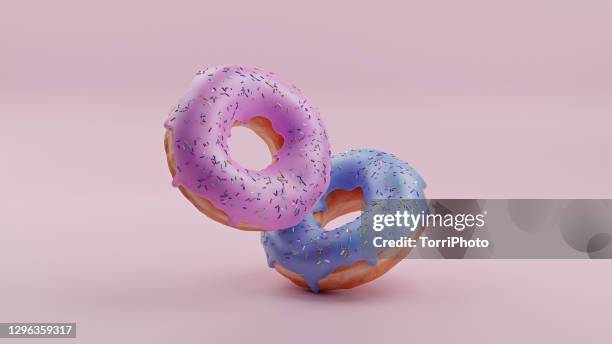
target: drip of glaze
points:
(313, 253)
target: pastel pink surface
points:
(483, 99)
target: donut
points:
(321, 260)
(196, 144)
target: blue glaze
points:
(310, 251)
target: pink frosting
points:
(277, 197)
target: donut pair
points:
(303, 189)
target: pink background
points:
(483, 98)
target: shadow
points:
(217, 289)
(379, 290)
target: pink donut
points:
(280, 195)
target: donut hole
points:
(248, 141)
(343, 206)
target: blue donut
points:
(307, 254)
